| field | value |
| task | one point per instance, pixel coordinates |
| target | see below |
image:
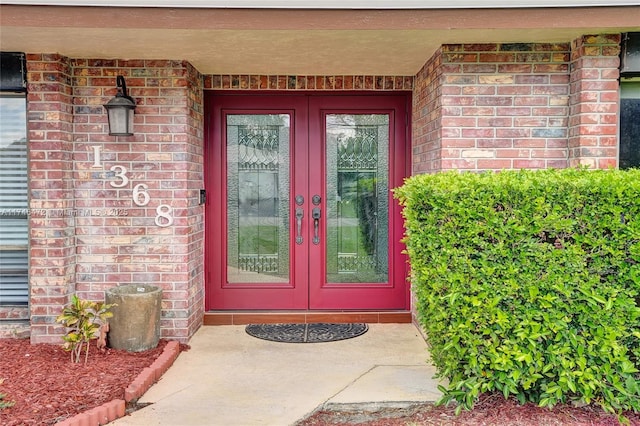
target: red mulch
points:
(490, 410)
(47, 388)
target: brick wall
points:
(308, 82)
(427, 132)
(52, 233)
(593, 126)
(94, 236)
(194, 214)
(503, 106)
(518, 105)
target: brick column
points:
(119, 241)
(594, 101)
(194, 147)
(427, 132)
(52, 234)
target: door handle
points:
(299, 216)
(316, 213)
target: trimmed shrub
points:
(527, 283)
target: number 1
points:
(96, 157)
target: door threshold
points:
(293, 317)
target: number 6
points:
(140, 194)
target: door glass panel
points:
(258, 198)
(357, 198)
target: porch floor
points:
(230, 378)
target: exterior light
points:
(120, 111)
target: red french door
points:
(299, 211)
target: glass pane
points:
(258, 198)
(357, 198)
(629, 125)
(14, 286)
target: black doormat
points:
(306, 333)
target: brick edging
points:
(115, 409)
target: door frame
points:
(214, 168)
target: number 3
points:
(121, 173)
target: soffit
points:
(330, 4)
(303, 42)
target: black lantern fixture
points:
(120, 111)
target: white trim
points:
(330, 4)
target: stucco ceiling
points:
(291, 41)
(330, 4)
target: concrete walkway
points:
(230, 378)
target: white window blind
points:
(14, 226)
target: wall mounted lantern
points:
(120, 111)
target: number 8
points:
(164, 211)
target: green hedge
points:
(528, 282)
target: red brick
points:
(513, 111)
(612, 97)
(478, 133)
(495, 121)
(515, 68)
(477, 69)
(455, 164)
(513, 90)
(529, 164)
(548, 153)
(608, 141)
(497, 57)
(551, 111)
(531, 101)
(513, 133)
(598, 130)
(529, 143)
(557, 164)
(606, 163)
(459, 122)
(496, 164)
(493, 143)
(478, 111)
(550, 68)
(513, 153)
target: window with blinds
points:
(14, 212)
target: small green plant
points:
(3, 403)
(84, 319)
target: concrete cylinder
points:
(135, 325)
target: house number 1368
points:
(139, 195)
